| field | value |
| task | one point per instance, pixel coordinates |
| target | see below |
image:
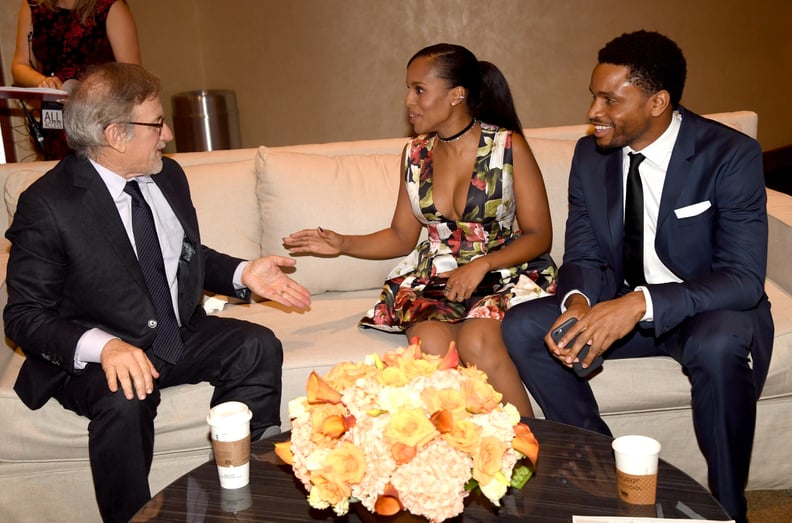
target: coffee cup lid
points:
(229, 413)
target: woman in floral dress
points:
(466, 177)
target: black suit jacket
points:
(72, 268)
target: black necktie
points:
(167, 344)
(633, 224)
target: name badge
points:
(51, 115)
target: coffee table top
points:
(575, 475)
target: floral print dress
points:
(486, 225)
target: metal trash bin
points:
(206, 120)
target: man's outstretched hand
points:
(264, 277)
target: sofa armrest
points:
(779, 218)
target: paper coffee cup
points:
(230, 432)
(636, 468)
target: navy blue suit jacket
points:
(72, 268)
(718, 251)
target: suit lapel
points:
(678, 167)
(97, 202)
(613, 184)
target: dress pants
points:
(712, 347)
(241, 360)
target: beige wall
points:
(322, 70)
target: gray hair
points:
(108, 94)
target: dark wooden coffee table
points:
(575, 475)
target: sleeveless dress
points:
(64, 46)
(486, 225)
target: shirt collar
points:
(115, 182)
(659, 151)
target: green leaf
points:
(520, 476)
(471, 484)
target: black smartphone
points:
(558, 332)
(436, 286)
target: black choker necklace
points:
(458, 135)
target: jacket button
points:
(152, 324)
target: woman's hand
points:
(463, 281)
(51, 82)
(314, 241)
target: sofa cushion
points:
(224, 196)
(555, 159)
(378, 146)
(350, 194)
(16, 183)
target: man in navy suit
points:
(103, 332)
(693, 288)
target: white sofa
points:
(247, 200)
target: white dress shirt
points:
(653, 172)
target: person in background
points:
(465, 178)
(57, 39)
(665, 255)
(105, 282)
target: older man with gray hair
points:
(105, 281)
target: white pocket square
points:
(692, 210)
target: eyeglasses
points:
(158, 125)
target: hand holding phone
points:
(558, 332)
(435, 289)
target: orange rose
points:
(393, 376)
(453, 401)
(403, 453)
(431, 399)
(488, 459)
(414, 368)
(465, 436)
(392, 358)
(346, 464)
(480, 397)
(525, 442)
(410, 427)
(330, 491)
(473, 373)
(345, 374)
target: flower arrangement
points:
(406, 431)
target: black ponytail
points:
(496, 104)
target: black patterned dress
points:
(64, 46)
(486, 225)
